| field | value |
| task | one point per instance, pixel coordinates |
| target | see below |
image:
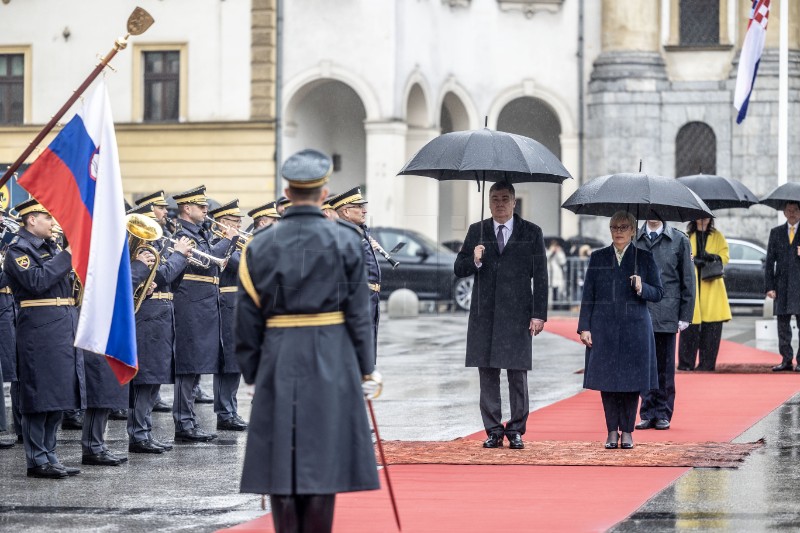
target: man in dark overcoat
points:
(782, 281)
(155, 336)
(505, 312)
(50, 369)
(8, 344)
(304, 337)
(198, 336)
(226, 381)
(673, 254)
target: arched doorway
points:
(418, 196)
(328, 115)
(538, 202)
(454, 195)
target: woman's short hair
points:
(621, 216)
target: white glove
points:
(372, 385)
(682, 325)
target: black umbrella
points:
(719, 192)
(644, 196)
(788, 192)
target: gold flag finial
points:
(139, 21)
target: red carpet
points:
(436, 498)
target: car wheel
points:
(462, 293)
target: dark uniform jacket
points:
(155, 320)
(623, 353)
(8, 326)
(672, 252)
(503, 303)
(50, 369)
(782, 270)
(228, 280)
(373, 278)
(309, 432)
(198, 340)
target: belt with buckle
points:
(304, 321)
(44, 302)
(228, 289)
(204, 279)
(5, 290)
(160, 296)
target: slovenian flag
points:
(750, 56)
(77, 178)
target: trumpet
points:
(240, 242)
(10, 225)
(196, 257)
(244, 235)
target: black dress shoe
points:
(685, 368)
(515, 442)
(661, 423)
(167, 447)
(70, 470)
(783, 367)
(202, 397)
(232, 424)
(144, 446)
(161, 407)
(626, 441)
(72, 423)
(645, 424)
(19, 439)
(5, 444)
(494, 441)
(612, 440)
(194, 435)
(101, 459)
(118, 414)
(46, 471)
(797, 368)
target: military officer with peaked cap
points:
(281, 204)
(304, 337)
(50, 371)
(264, 215)
(226, 381)
(352, 207)
(8, 344)
(198, 335)
(155, 338)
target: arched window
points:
(695, 150)
(699, 22)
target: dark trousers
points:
(39, 437)
(95, 422)
(183, 402)
(15, 407)
(375, 311)
(491, 410)
(620, 409)
(302, 513)
(785, 337)
(226, 386)
(660, 402)
(142, 398)
(705, 337)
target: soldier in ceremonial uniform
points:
(50, 368)
(198, 335)
(155, 335)
(328, 210)
(304, 337)
(264, 216)
(281, 204)
(8, 344)
(352, 207)
(226, 381)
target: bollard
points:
(403, 303)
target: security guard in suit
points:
(155, 331)
(264, 215)
(226, 381)
(50, 368)
(8, 344)
(352, 207)
(198, 334)
(304, 337)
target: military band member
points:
(226, 381)
(50, 369)
(304, 337)
(155, 333)
(281, 204)
(198, 340)
(8, 344)
(352, 207)
(264, 216)
(328, 210)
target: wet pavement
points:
(428, 395)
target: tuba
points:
(141, 231)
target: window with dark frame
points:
(12, 84)
(699, 22)
(695, 150)
(161, 86)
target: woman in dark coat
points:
(616, 328)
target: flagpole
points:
(138, 22)
(783, 94)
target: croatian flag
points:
(750, 56)
(77, 178)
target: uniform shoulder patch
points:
(23, 261)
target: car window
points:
(743, 252)
(390, 239)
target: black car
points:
(744, 274)
(425, 268)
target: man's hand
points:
(586, 338)
(636, 283)
(230, 232)
(151, 289)
(477, 254)
(682, 325)
(771, 294)
(536, 326)
(183, 246)
(146, 257)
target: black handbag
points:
(712, 270)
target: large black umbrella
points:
(719, 192)
(644, 196)
(486, 155)
(788, 192)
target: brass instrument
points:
(10, 227)
(143, 230)
(196, 257)
(244, 236)
(240, 243)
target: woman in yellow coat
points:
(711, 306)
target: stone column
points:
(420, 210)
(569, 157)
(386, 155)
